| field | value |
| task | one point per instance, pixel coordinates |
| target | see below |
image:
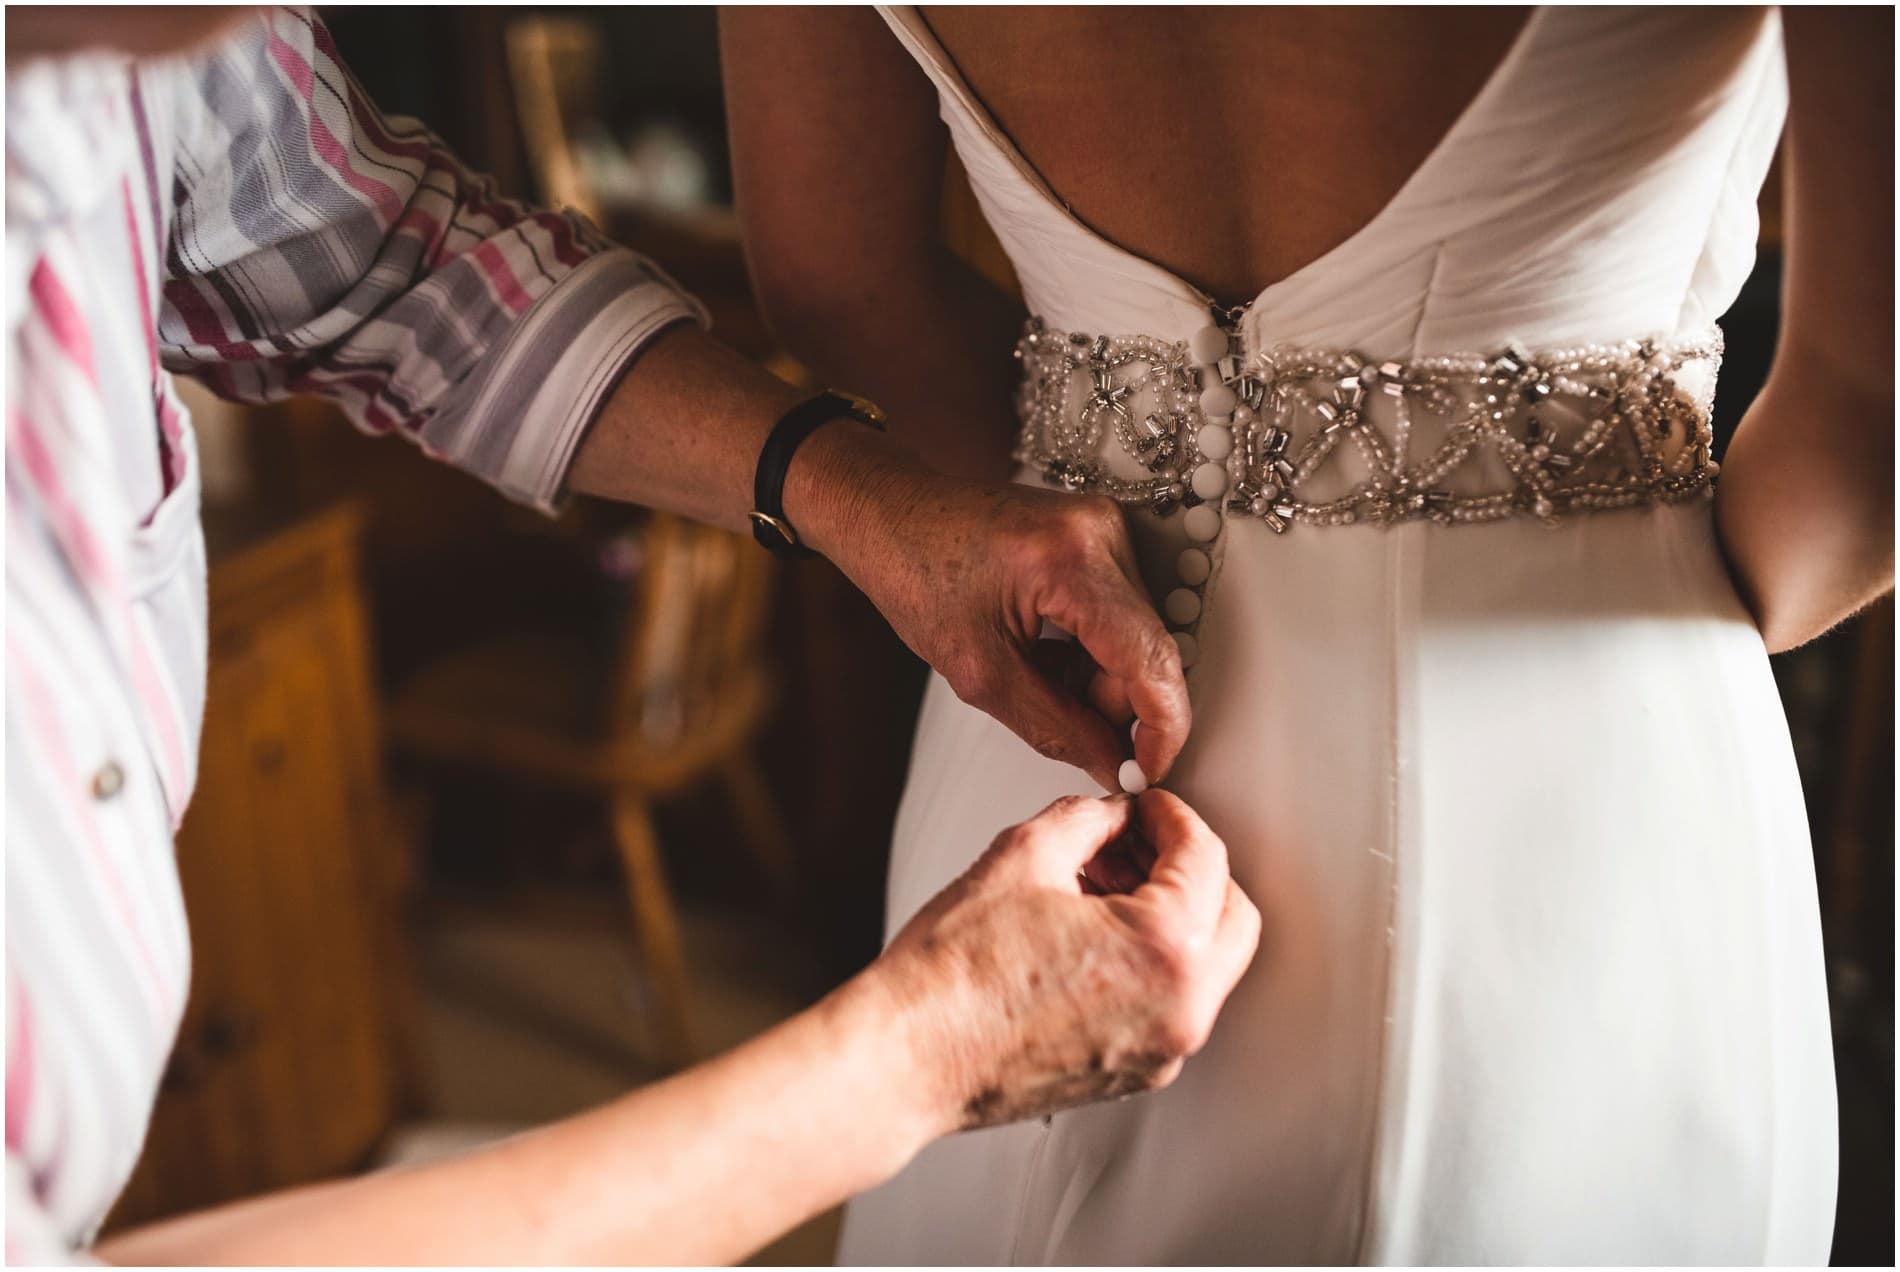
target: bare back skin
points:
(1234, 147)
(1230, 145)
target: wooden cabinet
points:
(291, 1062)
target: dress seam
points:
(1022, 1196)
(1767, 927)
(1380, 1135)
(1377, 1134)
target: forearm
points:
(967, 573)
(683, 431)
(1804, 508)
(1805, 504)
(702, 1168)
(473, 325)
(838, 165)
(931, 343)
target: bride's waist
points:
(1207, 430)
(1204, 434)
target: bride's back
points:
(1231, 145)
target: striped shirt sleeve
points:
(317, 247)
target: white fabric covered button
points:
(1183, 606)
(1208, 345)
(1218, 399)
(1133, 780)
(1215, 440)
(1193, 567)
(1210, 481)
(1189, 648)
(1202, 523)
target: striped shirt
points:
(245, 216)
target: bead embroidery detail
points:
(1328, 438)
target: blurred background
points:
(499, 817)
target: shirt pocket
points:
(166, 580)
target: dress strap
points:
(1063, 262)
(955, 93)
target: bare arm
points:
(963, 1023)
(1805, 505)
(959, 1024)
(965, 572)
(838, 160)
(701, 1168)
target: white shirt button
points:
(108, 781)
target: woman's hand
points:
(1016, 991)
(1032, 991)
(968, 573)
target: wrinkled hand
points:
(1073, 961)
(968, 573)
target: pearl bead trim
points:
(1510, 434)
(1264, 428)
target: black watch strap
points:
(769, 524)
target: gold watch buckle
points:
(867, 410)
(782, 529)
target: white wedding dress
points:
(1490, 738)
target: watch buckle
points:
(867, 410)
(766, 521)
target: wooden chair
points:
(554, 68)
(682, 702)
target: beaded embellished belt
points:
(1301, 436)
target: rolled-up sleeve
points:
(317, 247)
